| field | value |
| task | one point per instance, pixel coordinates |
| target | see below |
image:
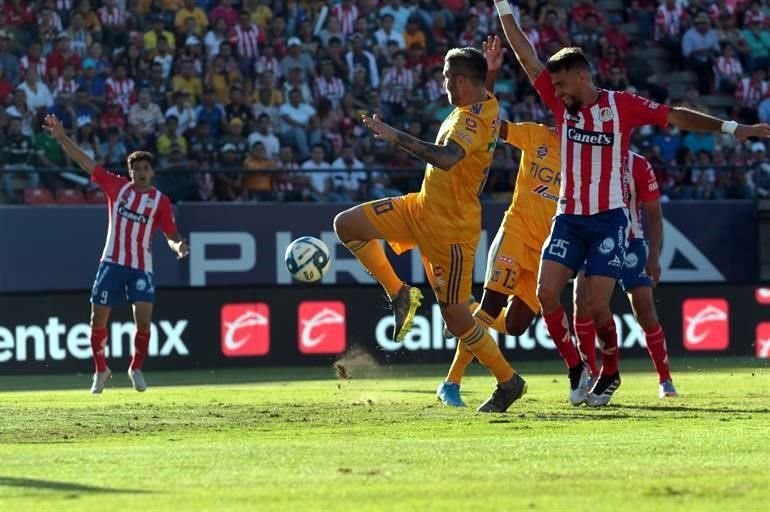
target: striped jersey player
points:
(595, 126)
(136, 211)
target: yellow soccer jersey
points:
(535, 197)
(449, 198)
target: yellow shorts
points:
(512, 268)
(448, 265)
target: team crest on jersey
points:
(542, 151)
(631, 260)
(605, 114)
(149, 203)
(471, 124)
(141, 284)
(615, 262)
(607, 245)
(438, 270)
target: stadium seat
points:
(70, 196)
(96, 196)
(38, 195)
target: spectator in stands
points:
(158, 32)
(91, 20)
(246, 38)
(234, 136)
(760, 170)
(359, 57)
(727, 32)
(348, 177)
(727, 70)
(668, 141)
(263, 135)
(170, 138)
(182, 110)
(9, 63)
(319, 183)
(398, 11)
(615, 37)
(699, 141)
(120, 88)
(237, 108)
(588, 35)
(387, 33)
(48, 153)
(763, 111)
(37, 93)
(145, 118)
(226, 12)
(414, 35)
(93, 85)
(188, 82)
(113, 21)
(749, 93)
(215, 37)
(329, 86)
(20, 109)
(6, 89)
(259, 185)
(700, 47)
(17, 153)
(296, 57)
(669, 20)
(397, 85)
(190, 10)
(296, 115)
(113, 150)
(616, 80)
(210, 113)
(529, 109)
(758, 41)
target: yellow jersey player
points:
(443, 220)
(514, 255)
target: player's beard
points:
(574, 107)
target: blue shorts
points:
(115, 284)
(598, 241)
(634, 275)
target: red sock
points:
(608, 341)
(98, 343)
(141, 343)
(585, 331)
(656, 346)
(558, 328)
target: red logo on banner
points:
(706, 324)
(321, 327)
(245, 329)
(763, 296)
(763, 340)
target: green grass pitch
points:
(299, 439)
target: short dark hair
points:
(468, 62)
(138, 156)
(568, 59)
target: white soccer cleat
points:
(137, 380)
(603, 389)
(580, 383)
(100, 381)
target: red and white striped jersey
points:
(133, 219)
(40, 64)
(122, 92)
(668, 23)
(728, 67)
(268, 64)
(434, 89)
(642, 188)
(594, 145)
(333, 89)
(247, 42)
(112, 17)
(396, 84)
(347, 18)
(750, 93)
(65, 86)
(63, 5)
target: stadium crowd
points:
(276, 88)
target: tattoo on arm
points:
(443, 157)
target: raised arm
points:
(654, 216)
(443, 157)
(493, 53)
(521, 45)
(55, 128)
(688, 119)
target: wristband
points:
(729, 127)
(503, 7)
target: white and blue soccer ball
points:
(308, 259)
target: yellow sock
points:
(497, 324)
(479, 341)
(463, 358)
(372, 256)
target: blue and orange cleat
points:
(449, 394)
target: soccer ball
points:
(307, 259)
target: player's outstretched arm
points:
(653, 214)
(521, 45)
(53, 126)
(688, 119)
(178, 245)
(443, 157)
(493, 53)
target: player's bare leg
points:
(142, 317)
(99, 317)
(600, 291)
(583, 322)
(552, 279)
(643, 305)
(471, 331)
(354, 229)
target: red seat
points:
(96, 196)
(70, 196)
(38, 195)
